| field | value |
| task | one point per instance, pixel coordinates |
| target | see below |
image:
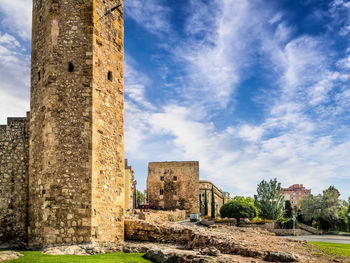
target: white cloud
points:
(340, 12)
(135, 83)
(151, 14)
(17, 17)
(9, 41)
(250, 133)
(14, 76)
(344, 63)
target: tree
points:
(270, 199)
(140, 197)
(288, 211)
(205, 203)
(331, 206)
(248, 200)
(349, 213)
(310, 208)
(212, 202)
(325, 209)
(238, 209)
(343, 221)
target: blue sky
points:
(251, 89)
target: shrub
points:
(286, 223)
(238, 209)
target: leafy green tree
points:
(310, 207)
(325, 209)
(238, 209)
(205, 203)
(343, 221)
(212, 202)
(249, 200)
(288, 211)
(331, 206)
(140, 197)
(270, 199)
(349, 213)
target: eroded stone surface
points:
(83, 249)
(14, 181)
(228, 240)
(9, 255)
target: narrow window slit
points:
(70, 67)
(110, 76)
(39, 77)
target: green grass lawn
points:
(334, 248)
(38, 257)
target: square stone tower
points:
(173, 185)
(76, 141)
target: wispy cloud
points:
(153, 14)
(295, 142)
(17, 17)
(14, 76)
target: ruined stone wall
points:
(159, 216)
(14, 181)
(173, 185)
(76, 128)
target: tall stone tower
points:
(76, 143)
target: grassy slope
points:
(334, 248)
(38, 257)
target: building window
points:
(39, 77)
(161, 191)
(175, 178)
(162, 178)
(70, 67)
(110, 76)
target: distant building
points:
(129, 188)
(173, 185)
(205, 188)
(295, 192)
(226, 196)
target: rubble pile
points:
(257, 244)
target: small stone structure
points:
(173, 185)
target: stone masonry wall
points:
(76, 128)
(108, 123)
(173, 185)
(160, 216)
(14, 181)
